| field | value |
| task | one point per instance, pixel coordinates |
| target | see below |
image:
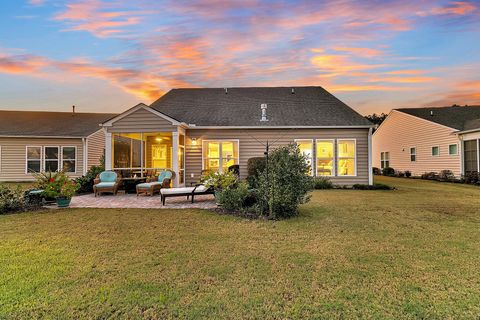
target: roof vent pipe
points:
(293, 90)
(431, 113)
(263, 106)
(73, 110)
(226, 90)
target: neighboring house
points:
(193, 130)
(35, 141)
(429, 140)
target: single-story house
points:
(197, 129)
(35, 141)
(429, 140)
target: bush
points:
(408, 174)
(376, 186)
(322, 183)
(220, 181)
(429, 176)
(472, 177)
(446, 175)
(376, 171)
(86, 182)
(11, 199)
(400, 174)
(388, 171)
(255, 166)
(234, 198)
(287, 183)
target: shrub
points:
(408, 174)
(446, 175)
(322, 183)
(472, 177)
(86, 182)
(255, 166)
(429, 176)
(376, 171)
(234, 198)
(220, 181)
(400, 174)
(388, 171)
(376, 186)
(11, 199)
(287, 183)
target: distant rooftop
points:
(456, 117)
(44, 123)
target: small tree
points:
(285, 182)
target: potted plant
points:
(62, 188)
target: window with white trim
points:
(219, 155)
(325, 158)
(33, 159)
(384, 160)
(69, 159)
(453, 149)
(346, 157)
(435, 151)
(413, 154)
(306, 148)
(51, 159)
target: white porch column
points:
(175, 164)
(108, 150)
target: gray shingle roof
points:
(308, 106)
(45, 124)
(453, 117)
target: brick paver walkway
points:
(144, 202)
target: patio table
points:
(130, 184)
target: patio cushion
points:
(164, 175)
(147, 185)
(108, 176)
(184, 190)
(105, 184)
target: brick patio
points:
(142, 202)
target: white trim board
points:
(139, 106)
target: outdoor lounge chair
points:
(107, 181)
(199, 189)
(151, 187)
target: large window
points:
(470, 155)
(306, 148)
(127, 150)
(325, 158)
(413, 154)
(219, 155)
(346, 157)
(51, 159)
(34, 159)
(69, 159)
(384, 159)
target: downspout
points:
(370, 169)
(85, 155)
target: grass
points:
(409, 253)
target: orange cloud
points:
(456, 8)
(362, 52)
(21, 64)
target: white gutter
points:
(190, 126)
(85, 155)
(370, 169)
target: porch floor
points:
(122, 200)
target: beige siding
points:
(250, 147)
(95, 148)
(400, 132)
(13, 152)
(142, 121)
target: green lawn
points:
(409, 253)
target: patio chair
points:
(107, 181)
(198, 190)
(154, 185)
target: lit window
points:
(346, 152)
(51, 159)
(453, 149)
(34, 159)
(219, 155)
(435, 151)
(413, 154)
(384, 159)
(306, 148)
(69, 161)
(325, 158)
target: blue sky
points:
(109, 55)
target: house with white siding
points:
(38, 141)
(193, 130)
(429, 140)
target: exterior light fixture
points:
(194, 141)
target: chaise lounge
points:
(107, 181)
(151, 187)
(198, 190)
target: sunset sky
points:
(106, 56)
